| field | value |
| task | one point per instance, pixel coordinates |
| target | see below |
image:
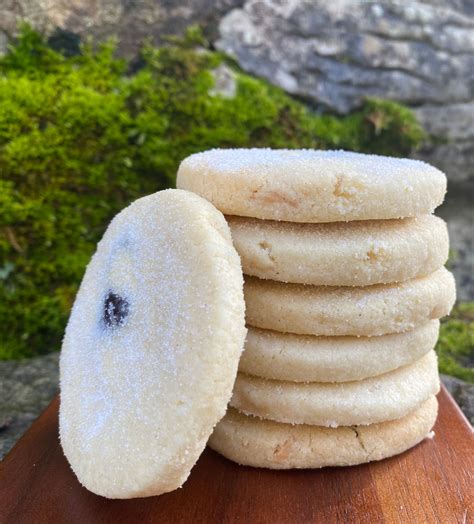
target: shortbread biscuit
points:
(342, 253)
(311, 185)
(367, 401)
(306, 358)
(152, 346)
(360, 311)
(265, 444)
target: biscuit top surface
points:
(261, 161)
(312, 185)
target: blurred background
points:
(101, 100)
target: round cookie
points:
(152, 346)
(360, 311)
(341, 253)
(306, 358)
(251, 441)
(375, 399)
(311, 185)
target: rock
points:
(451, 142)
(457, 211)
(225, 83)
(26, 388)
(336, 53)
(463, 394)
(132, 21)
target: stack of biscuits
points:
(344, 288)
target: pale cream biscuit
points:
(367, 401)
(341, 253)
(265, 444)
(306, 358)
(360, 311)
(311, 185)
(152, 346)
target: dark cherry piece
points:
(116, 310)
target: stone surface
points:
(26, 388)
(131, 21)
(335, 53)
(451, 143)
(458, 212)
(225, 82)
(463, 393)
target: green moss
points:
(456, 343)
(81, 136)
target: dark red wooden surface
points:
(429, 483)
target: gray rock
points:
(26, 388)
(458, 212)
(463, 394)
(3, 40)
(225, 83)
(451, 142)
(131, 21)
(455, 120)
(338, 52)
(335, 53)
(454, 158)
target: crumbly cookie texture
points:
(311, 185)
(152, 346)
(307, 358)
(359, 311)
(262, 443)
(357, 253)
(368, 401)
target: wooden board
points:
(429, 483)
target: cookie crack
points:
(282, 450)
(359, 440)
(339, 190)
(266, 247)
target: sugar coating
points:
(262, 443)
(368, 401)
(143, 385)
(307, 358)
(312, 185)
(359, 311)
(359, 253)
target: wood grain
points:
(429, 483)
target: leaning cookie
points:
(306, 358)
(152, 346)
(312, 186)
(342, 253)
(359, 311)
(251, 441)
(368, 401)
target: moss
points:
(82, 135)
(455, 346)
